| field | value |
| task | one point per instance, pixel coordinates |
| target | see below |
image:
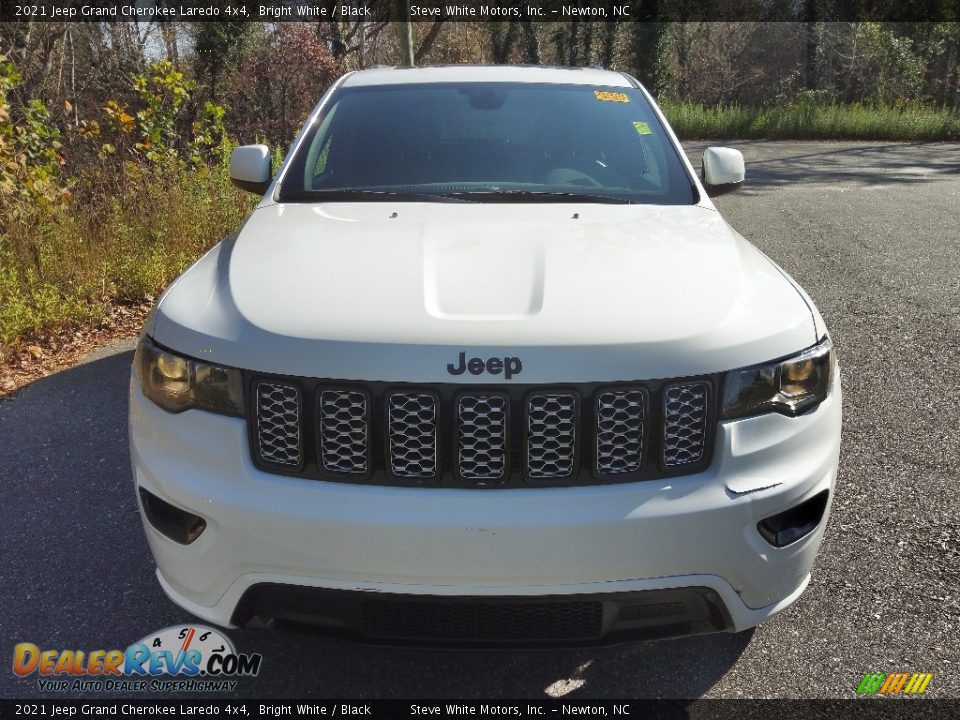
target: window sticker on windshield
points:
(642, 128)
(607, 96)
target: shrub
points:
(158, 199)
(807, 120)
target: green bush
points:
(28, 304)
(153, 194)
(67, 264)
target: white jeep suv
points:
(485, 366)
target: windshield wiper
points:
(543, 196)
(362, 195)
(520, 196)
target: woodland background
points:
(114, 137)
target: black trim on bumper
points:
(484, 621)
(791, 525)
(177, 524)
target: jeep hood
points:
(395, 291)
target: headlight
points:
(789, 386)
(177, 383)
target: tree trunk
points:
(953, 81)
(811, 37)
(169, 32)
(73, 80)
(573, 58)
(609, 47)
(428, 41)
(646, 53)
(406, 34)
(587, 56)
(502, 40)
(531, 43)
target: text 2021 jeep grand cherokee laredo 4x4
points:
(485, 366)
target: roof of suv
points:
(486, 73)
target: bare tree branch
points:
(429, 39)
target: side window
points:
(651, 164)
(321, 166)
(319, 153)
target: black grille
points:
(413, 433)
(684, 425)
(487, 621)
(504, 436)
(551, 435)
(344, 436)
(278, 423)
(620, 420)
(482, 437)
(483, 621)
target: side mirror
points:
(250, 168)
(723, 170)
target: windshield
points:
(488, 142)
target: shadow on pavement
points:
(680, 668)
(81, 576)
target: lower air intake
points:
(486, 621)
(494, 621)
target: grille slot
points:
(344, 425)
(685, 423)
(412, 431)
(488, 621)
(278, 423)
(551, 435)
(482, 437)
(620, 418)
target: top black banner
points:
(147, 11)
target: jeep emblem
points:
(509, 366)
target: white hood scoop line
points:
(482, 277)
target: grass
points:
(63, 266)
(813, 122)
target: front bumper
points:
(696, 531)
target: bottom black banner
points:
(646, 709)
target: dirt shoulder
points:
(27, 361)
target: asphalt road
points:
(870, 230)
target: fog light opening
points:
(796, 523)
(178, 525)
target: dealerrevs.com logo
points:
(187, 658)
